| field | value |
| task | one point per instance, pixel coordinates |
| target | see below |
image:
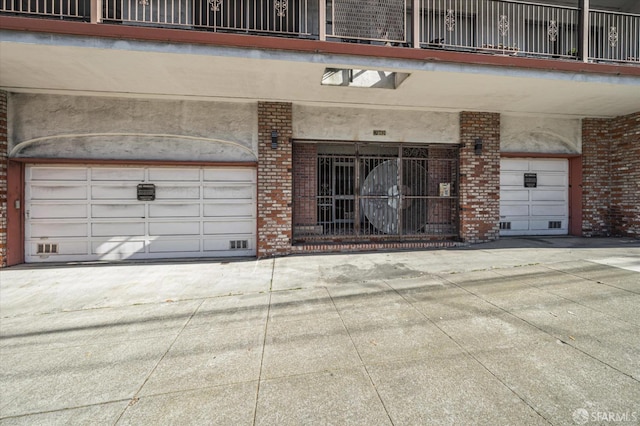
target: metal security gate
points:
(364, 192)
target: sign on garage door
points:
(534, 196)
(98, 213)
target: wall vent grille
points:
(555, 225)
(47, 248)
(239, 244)
(505, 225)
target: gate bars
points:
(364, 192)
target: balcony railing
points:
(75, 9)
(504, 27)
(614, 37)
(259, 16)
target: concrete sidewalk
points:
(521, 331)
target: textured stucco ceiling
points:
(123, 68)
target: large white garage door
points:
(534, 196)
(113, 213)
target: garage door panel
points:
(174, 245)
(543, 225)
(174, 175)
(117, 174)
(229, 210)
(549, 195)
(514, 195)
(57, 174)
(224, 244)
(114, 211)
(511, 179)
(174, 210)
(229, 227)
(51, 230)
(64, 248)
(236, 192)
(512, 164)
(114, 192)
(57, 192)
(514, 210)
(549, 166)
(177, 192)
(174, 228)
(117, 229)
(117, 247)
(57, 211)
(552, 180)
(229, 175)
(549, 210)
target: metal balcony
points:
(501, 27)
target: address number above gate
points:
(146, 192)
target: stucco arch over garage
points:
(104, 128)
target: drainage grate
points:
(238, 245)
(505, 225)
(47, 248)
(555, 224)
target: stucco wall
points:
(356, 124)
(540, 135)
(54, 126)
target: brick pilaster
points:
(274, 179)
(305, 170)
(596, 177)
(625, 176)
(479, 177)
(3, 178)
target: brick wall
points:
(611, 176)
(274, 180)
(305, 177)
(479, 177)
(625, 176)
(596, 177)
(3, 178)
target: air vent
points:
(505, 225)
(238, 245)
(555, 224)
(47, 248)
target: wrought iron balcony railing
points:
(504, 27)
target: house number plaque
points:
(530, 180)
(146, 192)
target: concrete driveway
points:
(521, 331)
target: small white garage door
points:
(104, 213)
(534, 196)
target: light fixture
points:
(478, 146)
(274, 139)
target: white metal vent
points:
(505, 225)
(239, 244)
(555, 225)
(47, 248)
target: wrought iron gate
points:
(367, 192)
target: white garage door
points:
(104, 213)
(534, 196)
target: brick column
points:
(479, 177)
(3, 178)
(274, 179)
(596, 177)
(305, 182)
(625, 176)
